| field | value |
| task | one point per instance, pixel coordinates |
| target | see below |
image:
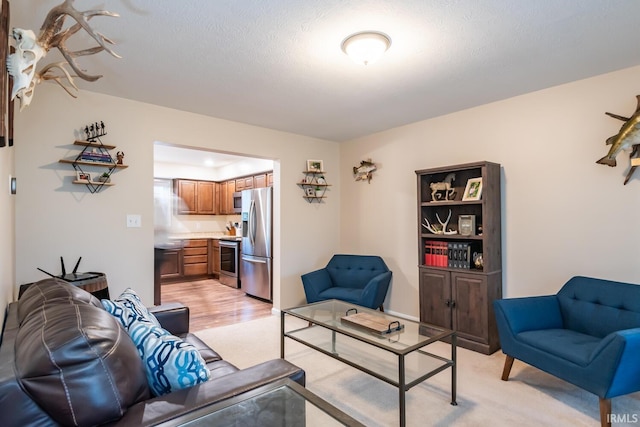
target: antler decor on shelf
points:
(439, 229)
(29, 50)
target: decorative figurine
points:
(364, 171)
(449, 191)
(119, 156)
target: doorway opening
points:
(189, 230)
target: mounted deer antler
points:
(29, 50)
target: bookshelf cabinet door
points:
(470, 313)
(435, 297)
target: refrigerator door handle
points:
(252, 222)
(255, 261)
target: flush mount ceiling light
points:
(366, 47)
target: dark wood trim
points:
(508, 364)
(605, 412)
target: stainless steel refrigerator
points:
(255, 267)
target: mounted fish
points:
(627, 138)
(364, 171)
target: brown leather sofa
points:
(64, 360)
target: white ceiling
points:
(278, 63)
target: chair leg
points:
(381, 308)
(605, 412)
(508, 363)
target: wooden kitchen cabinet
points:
(195, 257)
(260, 181)
(227, 188)
(206, 198)
(198, 197)
(187, 191)
(171, 267)
(214, 257)
(269, 179)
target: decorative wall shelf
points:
(314, 186)
(93, 148)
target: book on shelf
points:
(448, 254)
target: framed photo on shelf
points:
(83, 176)
(310, 192)
(315, 166)
(473, 190)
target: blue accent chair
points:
(358, 279)
(587, 334)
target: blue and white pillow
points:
(170, 363)
(129, 309)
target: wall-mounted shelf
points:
(103, 160)
(314, 186)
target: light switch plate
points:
(134, 221)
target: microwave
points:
(237, 202)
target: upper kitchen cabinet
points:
(187, 191)
(198, 197)
(260, 181)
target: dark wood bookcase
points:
(459, 295)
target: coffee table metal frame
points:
(203, 416)
(327, 314)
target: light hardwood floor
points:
(213, 304)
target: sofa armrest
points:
(316, 282)
(626, 376)
(173, 316)
(529, 313)
(375, 291)
(180, 402)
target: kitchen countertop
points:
(201, 235)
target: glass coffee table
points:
(283, 403)
(396, 356)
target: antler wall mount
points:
(29, 50)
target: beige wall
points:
(56, 218)
(7, 229)
(562, 214)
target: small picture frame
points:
(83, 176)
(315, 166)
(310, 191)
(473, 190)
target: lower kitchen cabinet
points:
(462, 301)
(171, 267)
(196, 257)
(214, 257)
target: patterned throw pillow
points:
(128, 309)
(171, 364)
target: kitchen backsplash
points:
(203, 223)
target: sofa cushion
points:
(170, 363)
(52, 291)
(564, 343)
(352, 295)
(354, 271)
(128, 309)
(78, 364)
(599, 307)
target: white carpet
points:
(529, 398)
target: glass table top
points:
(411, 336)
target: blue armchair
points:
(359, 279)
(587, 334)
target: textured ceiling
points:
(278, 63)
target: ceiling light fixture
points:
(366, 47)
